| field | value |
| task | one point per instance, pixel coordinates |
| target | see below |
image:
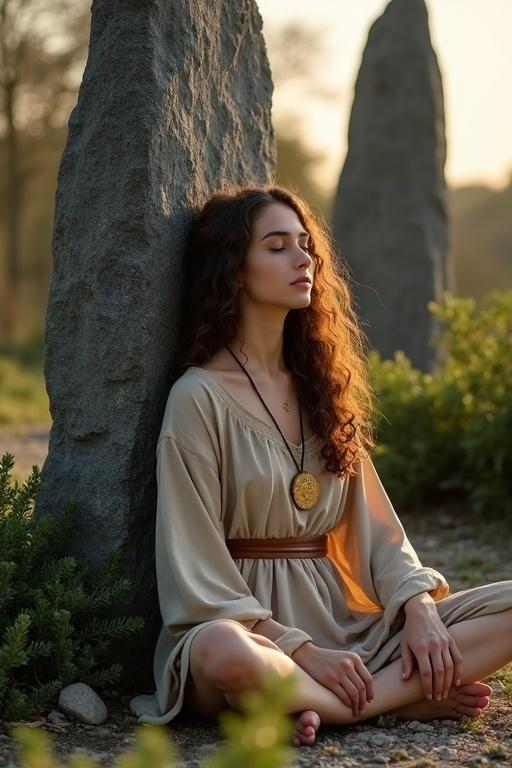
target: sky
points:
(472, 41)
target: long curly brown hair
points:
(322, 343)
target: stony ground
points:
(467, 551)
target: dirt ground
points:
(466, 550)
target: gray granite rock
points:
(389, 215)
(81, 702)
(175, 101)
(419, 727)
(446, 753)
(56, 717)
(381, 739)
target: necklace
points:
(305, 486)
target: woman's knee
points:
(224, 653)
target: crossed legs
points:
(226, 659)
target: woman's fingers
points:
(439, 669)
(353, 692)
(425, 671)
(360, 687)
(448, 671)
(457, 661)
(343, 695)
(365, 675)
(355, 684)
(436, 660)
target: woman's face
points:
(278, 255)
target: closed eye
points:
(304, 248)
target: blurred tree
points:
(43, 45)
(296, 55)
(481, 238)
(295, 161)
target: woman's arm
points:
(197, 579)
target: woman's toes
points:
(472, 701)
(468, 711)
(306, 725)
(476, 689)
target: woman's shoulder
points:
(190, 386)
(190, 407)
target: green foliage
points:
(504, 676)
(451, 431)
(495, 751)
(52, 632)
(256, 738)
(28, 351)
(23, 397)
(471, 724)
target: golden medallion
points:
(305, 490)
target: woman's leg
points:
(226, 659)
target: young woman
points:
(277, 548)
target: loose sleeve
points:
(196, 576)
(370, 549)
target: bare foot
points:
(468, 700)
(307, 724)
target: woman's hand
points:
(426, 638)
(342, 672)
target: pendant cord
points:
(275, 422)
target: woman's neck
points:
(258, 344)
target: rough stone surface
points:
(175, 101)
(389, 215)
(81, 702)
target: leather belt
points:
(302, 546)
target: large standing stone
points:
(175, 100)
(389, 216)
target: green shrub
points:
(52, 631)
(450, 431)
(256, 738)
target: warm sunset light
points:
(472, 41)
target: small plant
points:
(399, 755)
(387, 720)
(495, 751)
(153, 750)
(52, 631)
(504, 675)
(255, 738)
(471, 724)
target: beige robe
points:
(224, 473)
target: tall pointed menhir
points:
(389, 216)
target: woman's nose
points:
(304, 256)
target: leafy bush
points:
(451, 430)
(52, 631)
(256, 738)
